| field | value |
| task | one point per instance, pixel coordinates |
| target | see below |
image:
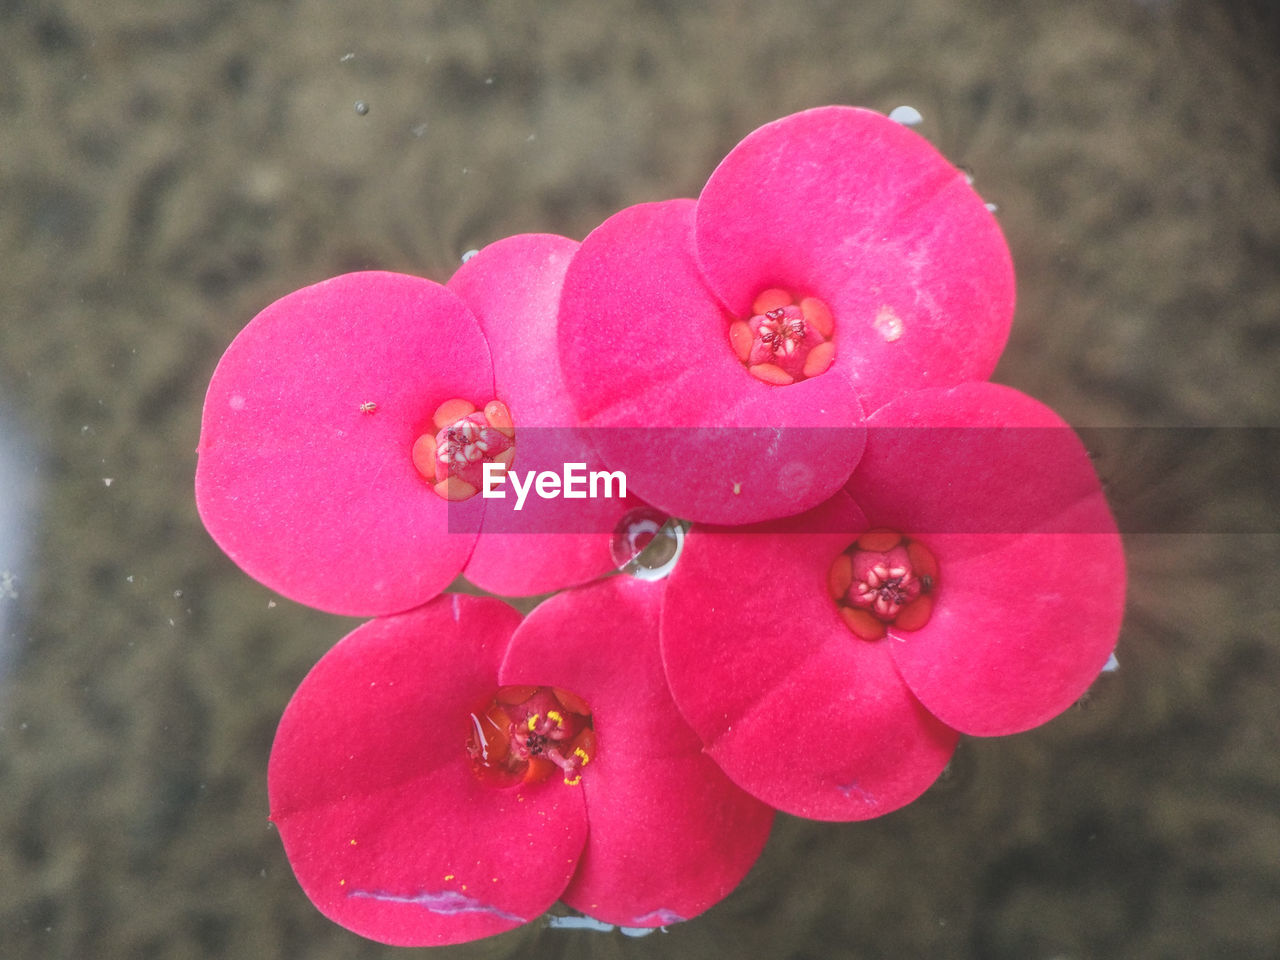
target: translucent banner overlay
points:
(1212, 480)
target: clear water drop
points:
(646, 544)
(907, 116)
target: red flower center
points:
(787, 339)
(524, 734)
(453, 458)
(884, 578)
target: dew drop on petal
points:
(646, 544)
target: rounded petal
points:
(305, 476)
(646, 355)
(513, 287)
(795, 708)
(846, 205)
(388, 830)
(1031, 568)
(669, 834)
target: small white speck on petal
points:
(888, 324)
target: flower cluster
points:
(884, 550)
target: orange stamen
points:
(499, 417)
(879, 540)
(840, 576)
(771, 373)
(424, 456)
(451, 411)
(455, 488)
(817, 313)
(740, 339)
(771, 299)
(923, 562)
(819, 359)
(915, 614)
(862, 624)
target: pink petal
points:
(309, 493)
(513, 287)
(848, 206)
(1031, 569)
(795, 709)
(646, 355)
(386, 827)
(670, 835)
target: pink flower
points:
(833, 261)
(396, 775)
(346, 427)
(969, 580)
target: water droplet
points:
(362, 107)
(646, 544)
(907, 116)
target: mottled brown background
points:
(168, 168)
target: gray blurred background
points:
(169, 168)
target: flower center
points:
(452, 459)
(883, 579)
(787, 338)
(524, 734)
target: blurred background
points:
(167, 169)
